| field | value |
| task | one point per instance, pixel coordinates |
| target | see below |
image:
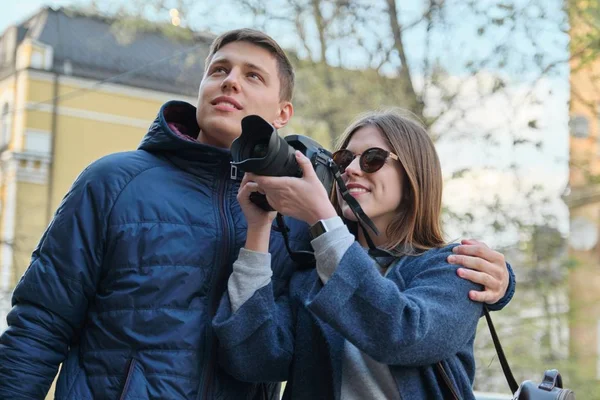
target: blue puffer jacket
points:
(125, 280)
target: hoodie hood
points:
(173, 135)
(175, 130)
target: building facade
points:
(73, 88)
(583, 195)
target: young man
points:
(125, 281)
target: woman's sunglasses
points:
(371, 160)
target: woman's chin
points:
(348, 214)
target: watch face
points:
(318, 229)
(583, 234)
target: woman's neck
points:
(378, 240)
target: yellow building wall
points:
(585, 314)
(81, 142)
(7, 93)
(90, 122)
(39, 91)
(24, 51)
(584, 279)
(20, 114)
(31, 198)
(585, 101)
(112, 103)
(7, 85)
(94, 99)
(30, 222)
(89, 125)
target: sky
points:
(15, 11)
(548, 167)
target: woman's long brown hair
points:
(417, 226)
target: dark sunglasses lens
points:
(343, 158)
(373, 159)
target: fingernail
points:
(454, 249)
(451, 259)
(459, 272)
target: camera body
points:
(261, 150)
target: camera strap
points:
(302, 257)
(362, 218)
(357, 210)
(236, 173)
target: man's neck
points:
(209, 140)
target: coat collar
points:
(173, 135)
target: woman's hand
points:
(484, 266)
(303, 198)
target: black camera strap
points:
(357, 210)
(306, 258)
(512, 382)
(362, 218)
(303, 258)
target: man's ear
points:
(286, 111)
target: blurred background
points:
(508, 89)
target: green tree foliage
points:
(534, 330)
(333, 105)
(584, 16)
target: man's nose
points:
(231, 82)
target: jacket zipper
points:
(221, 274)
(130, 369)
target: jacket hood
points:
(175, 131)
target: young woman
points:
(356, 327)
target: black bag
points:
(551, 387)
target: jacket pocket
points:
(72, 381)
(135, 386)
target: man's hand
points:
(255, 216)
(259, 220)
(484, 266)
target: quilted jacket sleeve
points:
(50, 301)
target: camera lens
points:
(259, 150)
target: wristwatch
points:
(325, 225)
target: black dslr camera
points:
(260, 150)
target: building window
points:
(37, 60)
(37, 142)
(579, 126)
(4, 126)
